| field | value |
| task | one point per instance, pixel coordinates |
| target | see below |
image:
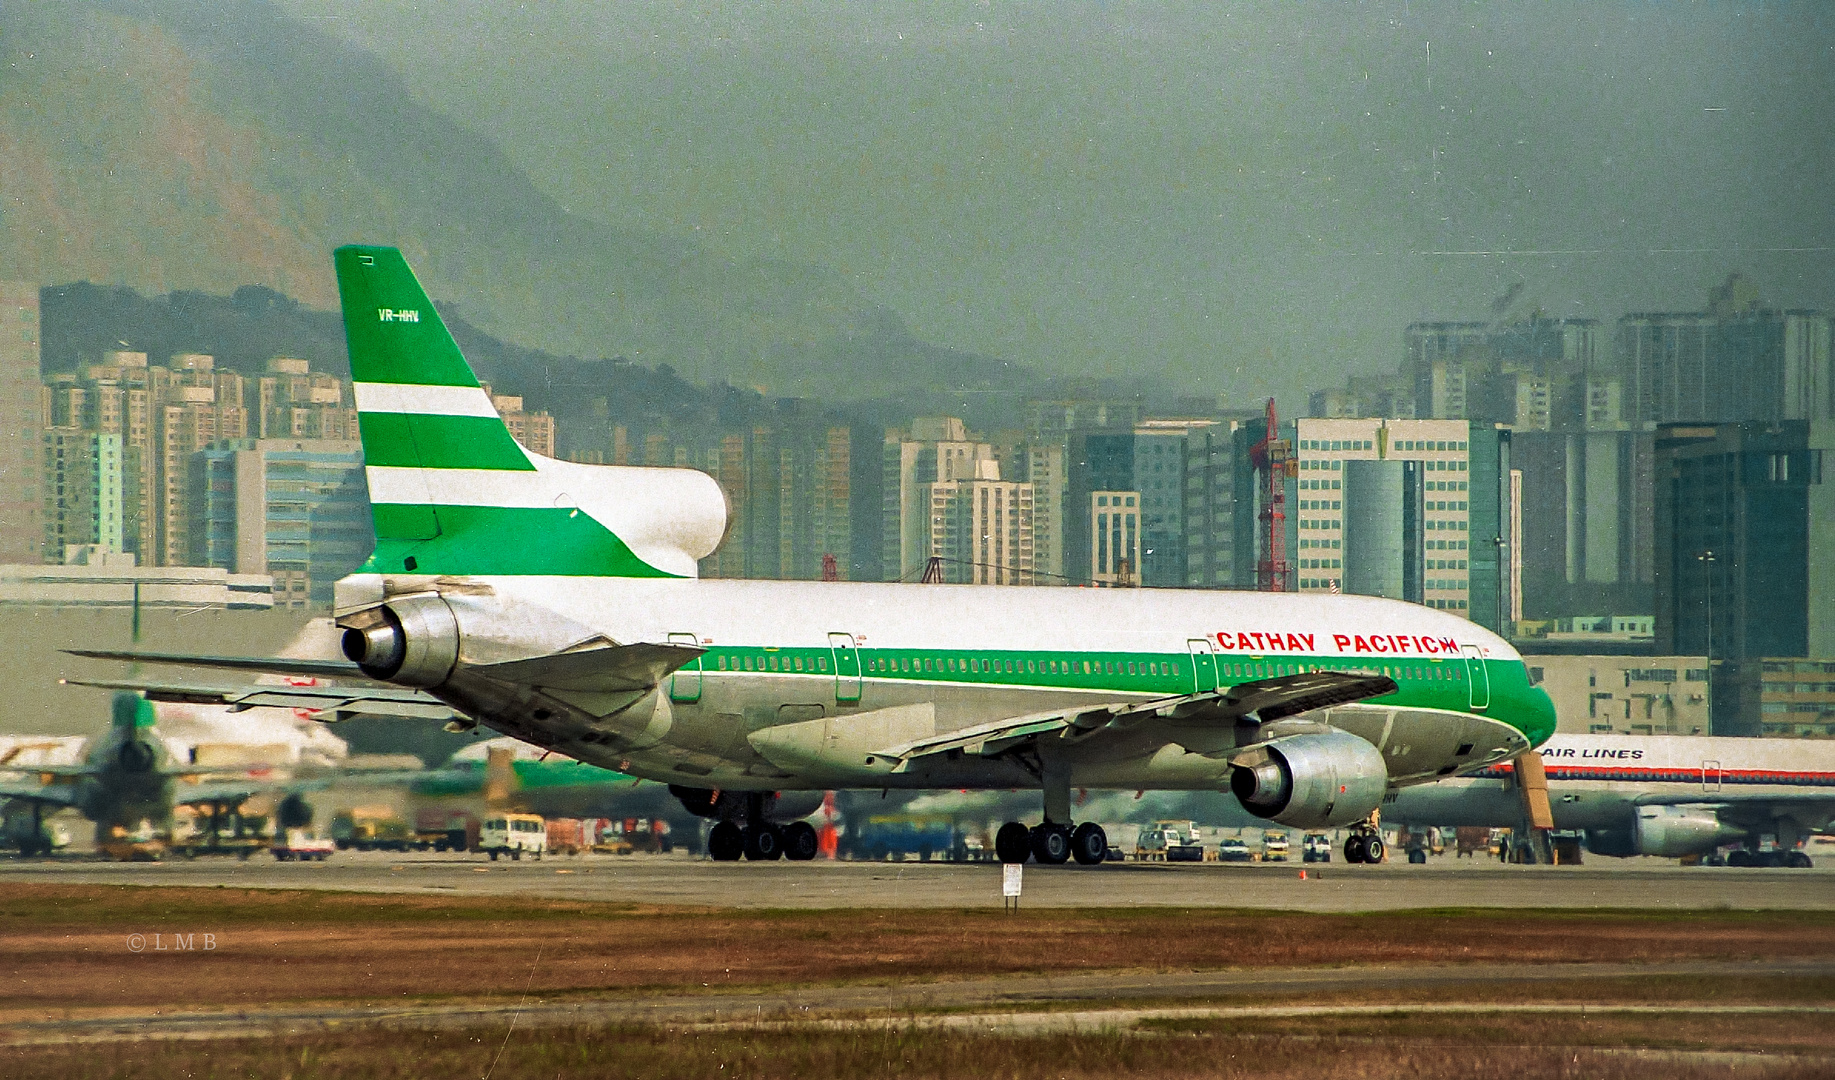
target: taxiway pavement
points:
(684, 880)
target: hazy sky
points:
(1202, 189)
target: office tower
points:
(295, 509)
(1114, 529)
(1461, 521)
(1219, 506)
(1745, 548)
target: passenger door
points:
(1710, 777)
(685, 681)
(1479, 678)
(847, 667)
(1203, 664)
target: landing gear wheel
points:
(1739, 857)
(1051, 843)
(800, 841)
(725, 842)
(1798, 861)
(1374, 849)
(1416, 856)
(1354, 849)
(1089, 845)
(763, 843)
(1013, 843)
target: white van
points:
(513, 834)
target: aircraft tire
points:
(1374, 849)
(1354, 849)
(725, 842)
(1798, 861)
(763, 843)
(1739, 858)
(1089, 845)
(1013, 843)
(800, 841)
(1417, 856)
(1051, 843)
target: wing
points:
(1259, 702)
(51, 794)
(330, 703)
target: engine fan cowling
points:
(415, 642)
(1675, 831)
(1327, 780)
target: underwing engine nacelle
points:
(1321, 781)
(1668, 831)
(410, 641)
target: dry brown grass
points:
(65, 946)
(661, 1054)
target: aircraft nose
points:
(1543, 719)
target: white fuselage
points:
(905, 661)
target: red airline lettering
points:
(1341, 641)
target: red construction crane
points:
(1274, 463)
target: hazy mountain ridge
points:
(182, 148)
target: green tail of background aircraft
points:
(557, 602)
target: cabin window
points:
(799, 663)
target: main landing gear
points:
(759, 840)
(1365, 844)
(1053, 842)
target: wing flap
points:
(1265, 700)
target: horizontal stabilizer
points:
(607, 669)
(331, 703)
(317, 669)
(49, 794)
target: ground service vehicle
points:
(302, 845)
(1274, 847)
(1317, 847)
(1232, 849)
(513, 835)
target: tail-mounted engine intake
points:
(412, 641)
(1311, 781)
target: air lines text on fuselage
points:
(1258, 642)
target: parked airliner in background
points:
(557, 602)
(1670, 795)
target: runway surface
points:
(685, 880)
(1018, 1000)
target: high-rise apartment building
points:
(790, 496)
(981, 528)
(934, 450)
(1736, 361)
(21, 416)
(85, 492)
